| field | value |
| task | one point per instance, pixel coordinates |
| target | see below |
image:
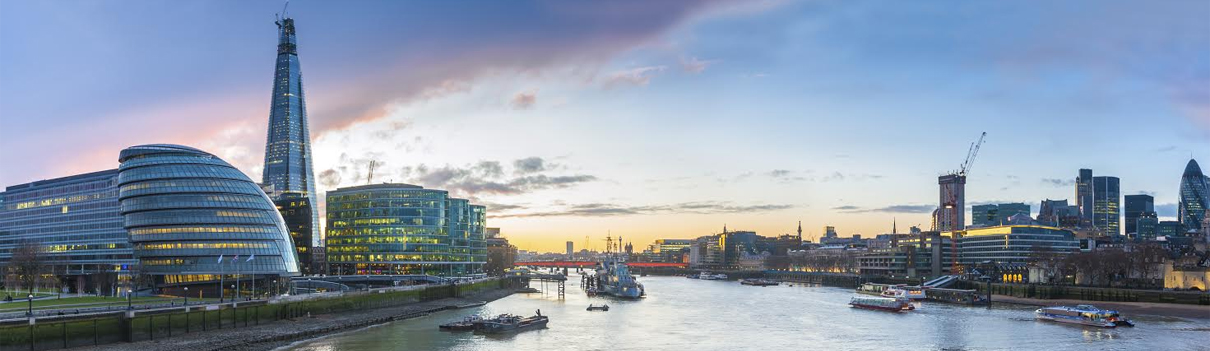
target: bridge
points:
(590, 264)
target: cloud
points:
(637, 76)
(530, 165)
(329, 178)
(524, 100)
(1056, 182)
(694, 66)
(488, 178)
(608, 210)
(887, 209)
(784, 175)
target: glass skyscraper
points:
(1137, 206)
(1084, 196)
(1106, 201)
(193, 217)
(74, 223)
(403, 229)
(1195, 197)
(288, 172)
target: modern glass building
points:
(996, 214)
(1137, 206)
(193, 218)
(288, 167)
(1013, 243)
(1106, 200)
(74, 223)
(1084, 195)
(403, 229)
(1195, 196)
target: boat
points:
(1083, 315)
(708, 276)
(759, 282)
(598, 308)
(511, 324)
(871, 289)
(613, 277)
(528, 290)
(881, 303)
(904, 292)
(466, 324)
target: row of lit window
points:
(232, 229)
(178, 245)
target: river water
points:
(690, 314)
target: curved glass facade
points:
(399, 229)
(1195, 196)
(185, 208)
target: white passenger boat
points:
(1083, 315)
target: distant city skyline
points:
(646, 120)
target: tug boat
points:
(881, 304)
(1083, 315)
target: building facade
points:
(193, 218)
(73, 225)
(1195, 197)
(996, 214)
(288, 168)
(1136, 207)
(403, 229)
(951, 212)
(1057, 213)
(1084, 196)
(1013, 243)
(925, 255)
(1106, 212)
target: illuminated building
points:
(1084, 195)
(924, 255)
(996, 214)
(1106, 198)
(75, 224)
(1195, 197)
(1013, 243)
(1057, 213)
(288, 168)
(192, 218)
(951, 213)
(403, 229)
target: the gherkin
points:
(1195, 196)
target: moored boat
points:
(903, 292)
(598, 308)
(881, 303)
(758, 282)
(511, 324)
(1083, 315)
(466, 324)
(708, 276)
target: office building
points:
(1106, 199)
(1084, 196)
(288, 168)
(193, 219)
(1013, 243)
(1147, 227)
(571, 249)
(1057, 213)
(403, 229)
(73, 225)
(1170, 229)
(996, 214)
(924, 255)
(1137, 206)
(1194, 197)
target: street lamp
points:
(186, 298)
(31, 306)
(129, 305)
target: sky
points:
(574, 120)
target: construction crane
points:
(970, 155)
(370, 177)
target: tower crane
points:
(970, 155)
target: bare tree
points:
(27, 265)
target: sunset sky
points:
(643, 119)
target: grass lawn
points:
(92, 301)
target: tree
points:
(27, 265)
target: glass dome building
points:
(1195, 196)
(193, 218)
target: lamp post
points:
(186, 299)
(129, 304)
(31, 306)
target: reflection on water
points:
(685, 314)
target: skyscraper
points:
(1106, 200)
(288, 170)
(951, 212)
(1137, 206)
(1084, 195)
(1195, 197)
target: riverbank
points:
(1127, 308)
(281, 333)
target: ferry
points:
(708, 276)
(903, 292)
(881, 303)
(511, 324)
(1083, 315)
(466, 324)
(758, 282)
(871, 289)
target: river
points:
(690, 314)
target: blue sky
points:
(642, 119)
